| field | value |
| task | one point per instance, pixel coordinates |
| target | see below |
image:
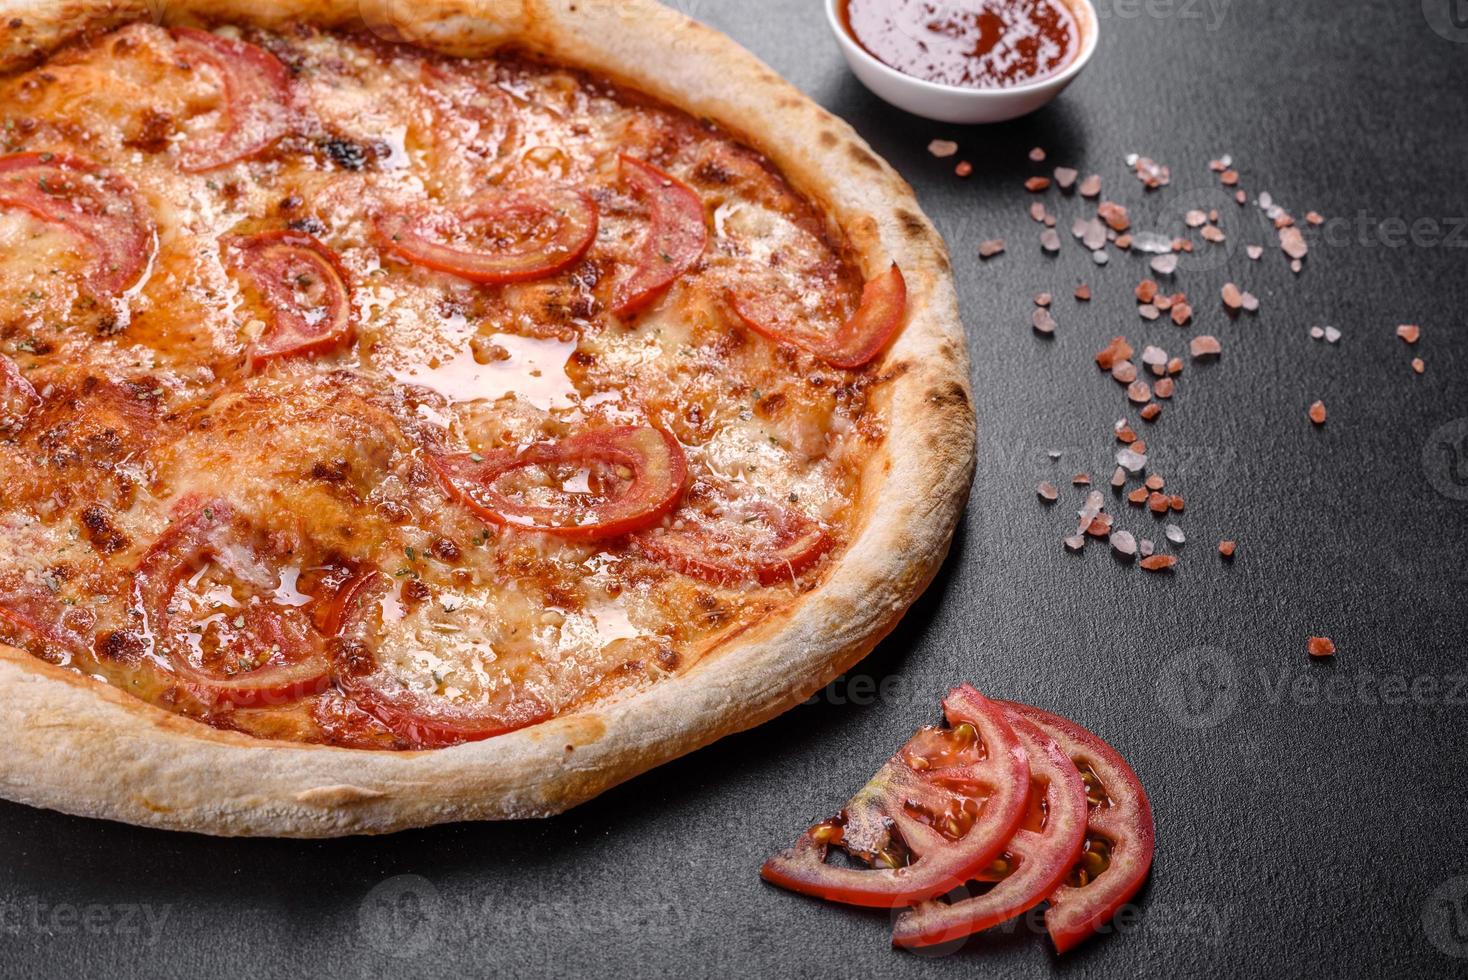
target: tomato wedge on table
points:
(673, 244)
(855, 343)
(1036, 860)
(225, 616)
(941, 809)
(256, 99)
(1120, 837)
(306, 289)
(97, 207)
(512, 236)
(722, 538)
(421, 718)
(18, 396)
(600, 483)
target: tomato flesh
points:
(1120, 836)
(673, 244)
(940, 810)
(96, 207)
(531, 234)
(259, 650)
(1037, 858)
(256, 99)
(857, 342)
(418, 719)
(643, 469)
(306, 289)
(721, 539)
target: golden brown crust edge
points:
(86, 748)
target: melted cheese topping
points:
(148, 403)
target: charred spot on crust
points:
(950, 393)
(330, 471)
(827, 138)
(912, 225)
(864, 157)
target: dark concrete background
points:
(1302, 829)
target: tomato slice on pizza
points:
(395, 692)
(941, 809)
(511, 236)
(600, 483)
(18, 397)
(255, 99)
(224, 615)
(36, 617)
(98, 208)
(1117, 853)
(725, 537)
(305, 290)
(857, 342)
(1036, 860)
(673, 244)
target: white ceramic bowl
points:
(956, 104)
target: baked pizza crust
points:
(85, 747)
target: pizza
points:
(440, 414)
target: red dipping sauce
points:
(968, 43)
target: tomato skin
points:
(272, 260)
(672, 246)
(197, 535)
(416, 720)
(655, 458)
(97, 207)
(1075, 913)
(943, 862)
(716, 553)
(257, 98)
(574, 214)
(858, 341)
(1045, 856)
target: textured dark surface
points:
(1298, 834)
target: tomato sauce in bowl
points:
(977, 44)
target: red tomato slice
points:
(97, 207)
(673, 244)
(939, 811)
(224, 618)
(33, 615)
(858, 341)
(257, 99)
(420, 719)
(718, 537)
(306, 288)
(1036, 860)
(601, 483)
(1117, 853)
(526, 234)
(18, 396)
